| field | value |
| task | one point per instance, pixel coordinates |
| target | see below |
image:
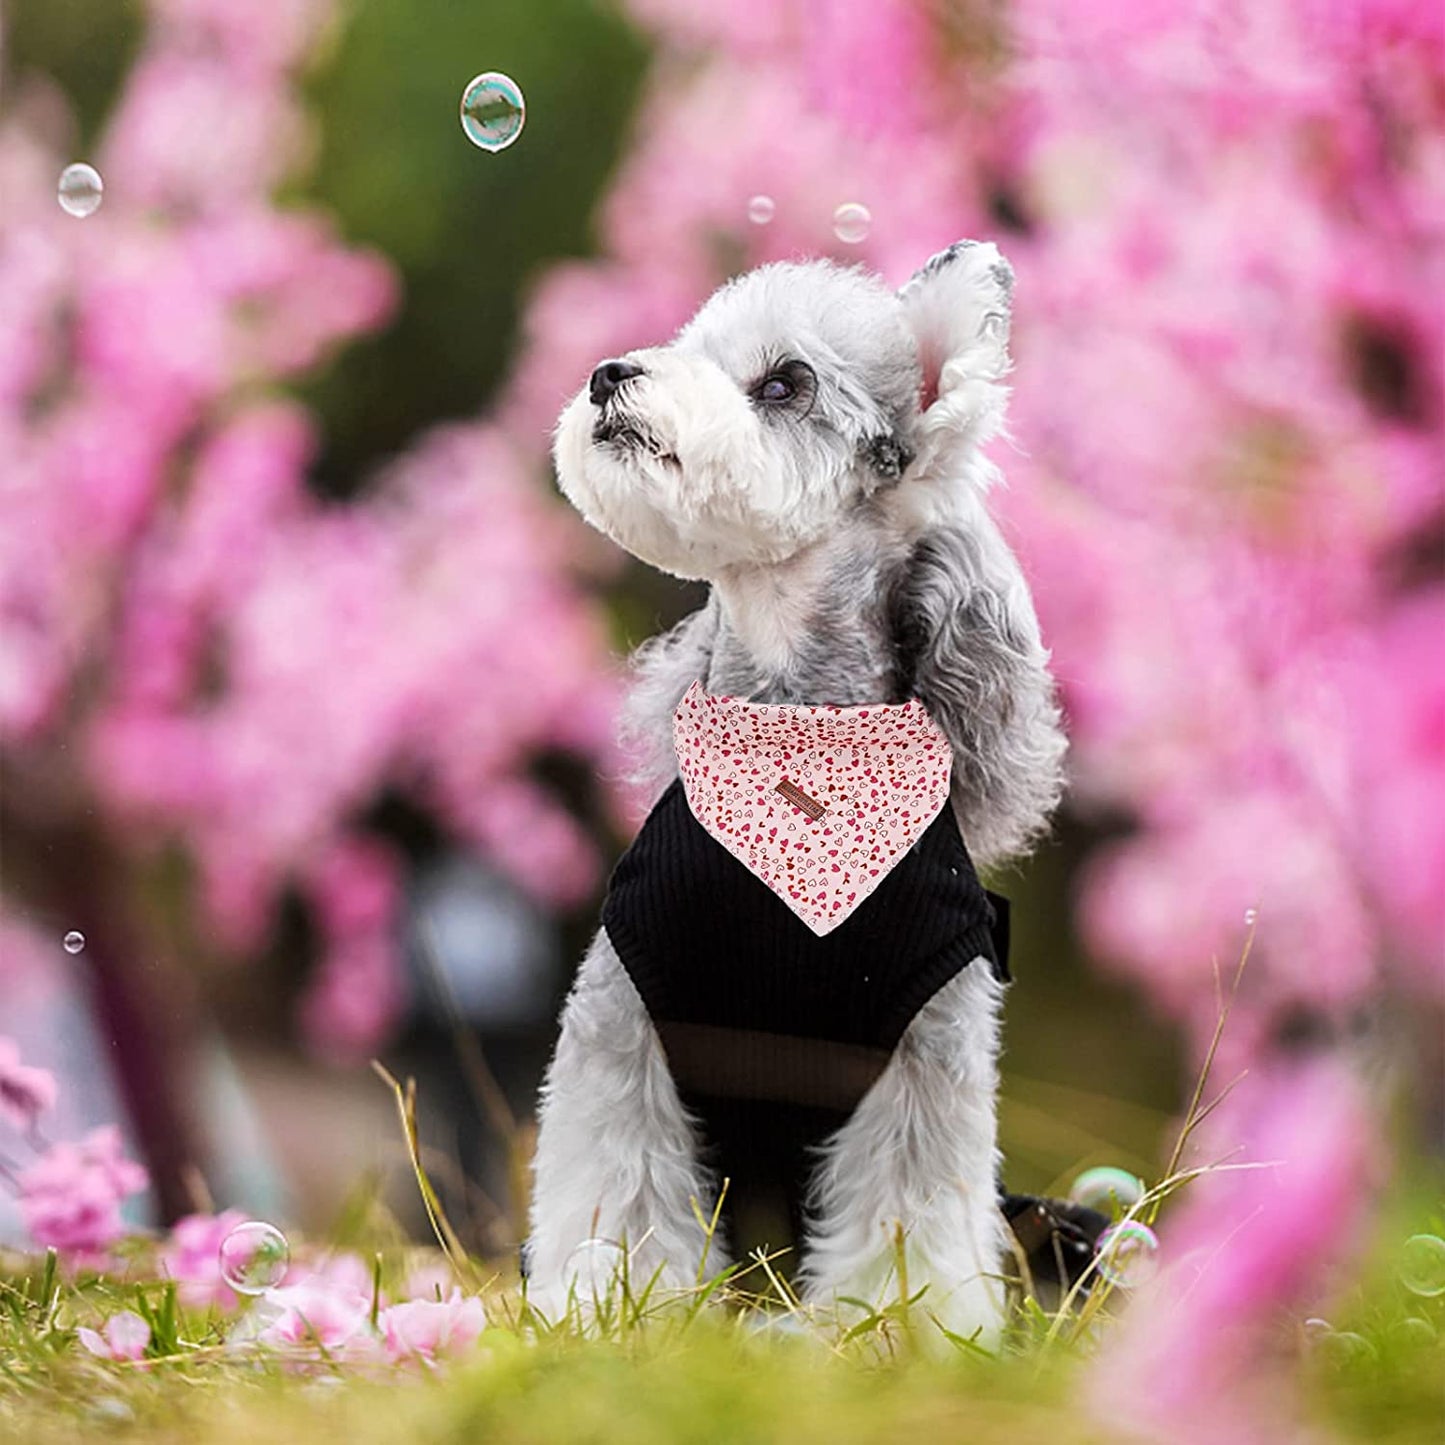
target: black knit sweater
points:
(773, 1033)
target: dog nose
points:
(608, 377)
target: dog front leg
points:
(617, 1156)
(919, 1160)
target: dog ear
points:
(958, 308)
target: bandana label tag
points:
(799, 799)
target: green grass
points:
(709, 1386)
(715, 1363)
(649, 1370)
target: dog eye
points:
(791, 384)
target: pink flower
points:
(25, 1093)
(430, 1280)
(540, 845)
(264, 665)
(1179, 895)
(165, 163)
(192, 1257)
(315, 1313)
(1398, 746)
(342, 1272)
(254, 40)
(70, 1197)
(355, 996)
(354, 886)
(428, 1330)
(1191, 1359)
(123, 1337)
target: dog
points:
(811, 445)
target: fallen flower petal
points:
(430, 1328)
(123, 1337)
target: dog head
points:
(798, 390)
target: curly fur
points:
(920, 1152)
(852, 559)
(617, 1158)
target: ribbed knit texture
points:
(706, 942)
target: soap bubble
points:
(1344, 1347)
(1413, 1332)
(595, 1263)
(1422, 1265)
(73, 941)
(1109, 1190)
(1128, 1254)
(493, 110)
(254, 1257)
(760, 210)
(80, 190)
(851, 222)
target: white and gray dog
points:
(810, 444)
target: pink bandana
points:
(818, 802)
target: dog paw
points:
(1057, 1240)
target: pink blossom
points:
(355, 996)
(152, 336)
(533, 840)
(354, 886)
(429, 1330)
(70, 1197)
(270, 41)
(1190, 1360)
(431, 1280)
(192, 1257)
(329, 1310)
(1224, 488)
(1398, 755)
(259, 667)
(1225, 224)
(1195, 309)
(343, 1271)
(750, 27)
(316, 1314)
(124, 1336)
(156, 153)
(25, 1092)
(1164, 905)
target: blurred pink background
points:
(262, 742)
